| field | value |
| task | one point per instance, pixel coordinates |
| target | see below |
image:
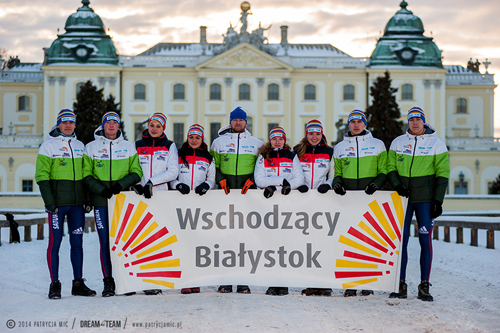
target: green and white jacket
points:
(107, 162)
(234, 156)
(59, 170)
(359, 161)
(421, 164)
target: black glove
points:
(402, 190)
(269, 191)
(323, 188)
(436, 209)
(87, 207)
(339, 189)
(202, 188)
(286, 188)
(107, 193)
(303, 188)
(371, 188)
(183, 188)
(51, 209)
(148, 190)
(138, 188)
(117, 188)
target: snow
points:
(466, 289)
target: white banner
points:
(299, 240)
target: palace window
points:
(140, 92)
(179, 134)
(27, 185)
(179, 92)
(273, 92)
(310, 92)
(215, 92)
(244, 92)
(24, 103)
(461, 105)
(407, 92)
(349, 92)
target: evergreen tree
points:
(495, 187)
(89, 108)
(383, 115)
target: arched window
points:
(79, 87)
(461, 105)
(24, 103)
(179, 92)
(407, 92)
(348, 92)
(244, 92)
(310, 92)
(215, 92)
(273, 92)
(140, 92)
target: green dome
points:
(84, 19)
(404, 22)
(404, 43)
(85, 41)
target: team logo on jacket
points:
(407, 149)
(160, 158)
(63, 149)
(322, 166)
(350, 149)
(230, 145)
(287, 170)
(103, 156)
(66, 155)
(102, 151)
(351, 154)
(231, 150)
(202, 168)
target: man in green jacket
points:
(360, 164)
(235, 152)
(60, 178)
(110, 165)
(419, 169)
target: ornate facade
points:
(283, 84)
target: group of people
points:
(74, 179)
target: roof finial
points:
(86, 2)
(403, 4)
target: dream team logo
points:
(144, 243)
(369, 248)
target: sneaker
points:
(317, 292)
(225, 289)
(151, 292)
(366, 292)
(109, 287)
(403, 291)
(243, 289)
(423, 292)
(273, 291)
(80, 289)
(55, 290)
(350, 293)
(195, 290)
(186, 291)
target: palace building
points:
(283, 84)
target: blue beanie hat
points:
(111, 115)
(356, 114)
(66, 115)
(416, 112)
(238, 113)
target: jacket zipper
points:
(110, 160)
(73, 162)
(192, 168)
(237, 155)
(357, 163)
(313, 165)
(411, 163)
(151, 164)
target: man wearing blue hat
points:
(110, 165)
(60, 178)
(235, 152)
(418, 169)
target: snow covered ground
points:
(466, 289)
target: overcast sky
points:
(461, 28)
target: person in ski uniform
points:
(110, 165)
(235, 153)
(277, 168)
(360, 164)
(419, 170)
(158, 160)
(157, 156)
(197, 170)
(60, 178)
(316, 158)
